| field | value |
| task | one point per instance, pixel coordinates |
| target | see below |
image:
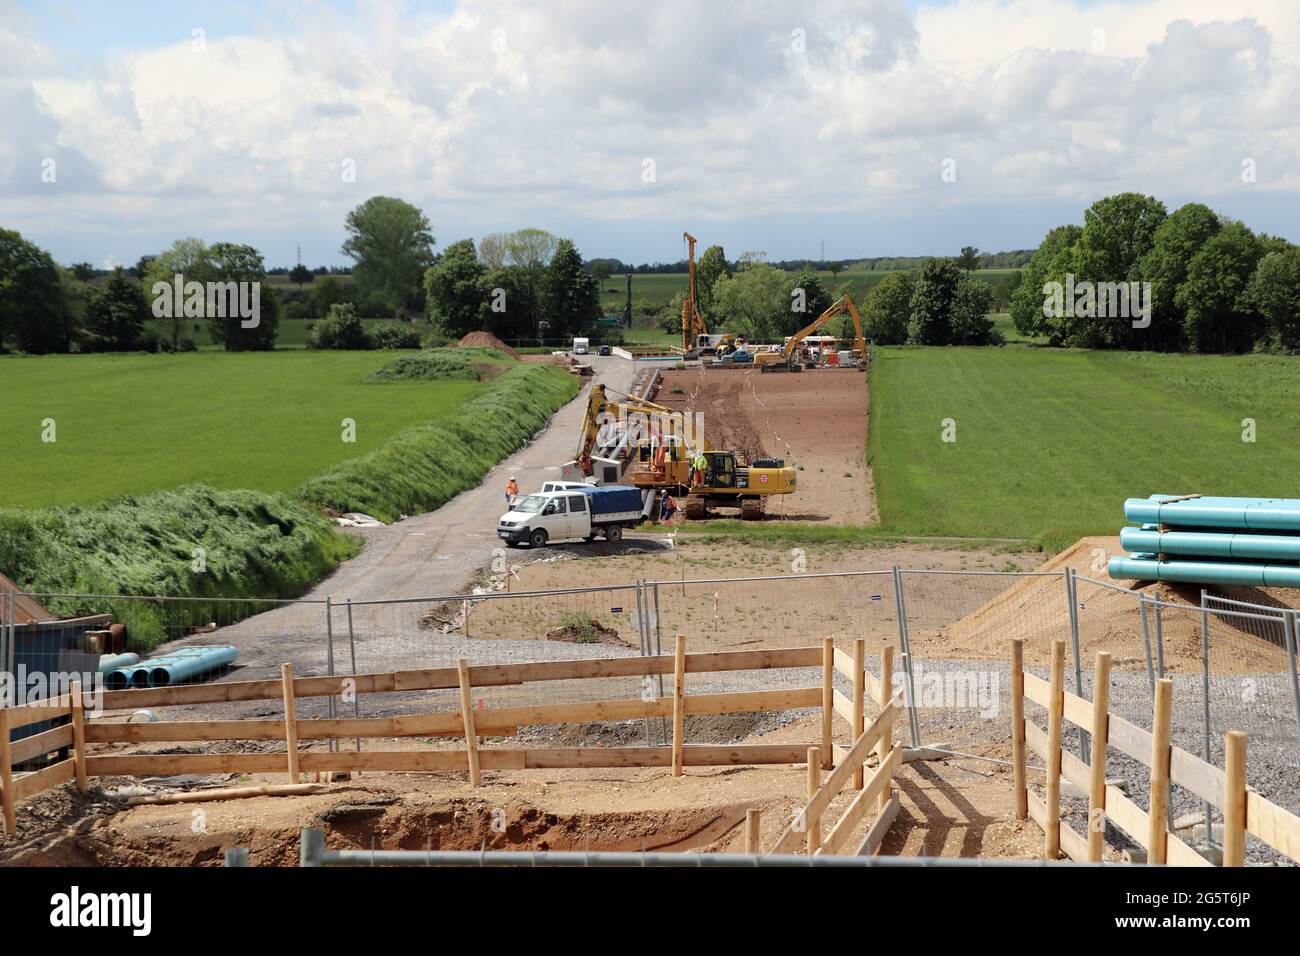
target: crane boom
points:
(599, 403)
(692, 324)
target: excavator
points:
(784, 360)
(664, 460)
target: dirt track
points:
(815, 420)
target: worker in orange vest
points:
(659, 460)
(512, 491)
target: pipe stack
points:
(174, 667)
(1207, 540)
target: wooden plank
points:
(844, 663)
(789, 838)
(812, 821)
(1127, 815)
(496, 721)
(859, 690)
(7, 801)
(870, 685)
(27, 714)
(828, 702)
(1078, 711)
(1097, 765)
(444, 760)
(30, 784)
(1158, 806)
(869, 794)
(1076, 771)
(290, 721)
(1052, 842)
(1180, 854)
(1036, 738)
(1018, 728)
(1037, 689)
(884, 691)
(1128, 738)
(753, 830)
(1073, 845)
(843, 707)
(467, 718)
(1234, 804)
(1279, 828)
(679, 703)
(38, 745)
(1203, 779)
(1037, 810)
(78, 735)
(876, 834)
(445, 678)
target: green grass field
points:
(292, 333)
(1049, 443)
(134, 423)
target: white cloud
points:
(516, 113)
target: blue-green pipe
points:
(111, 662)
(1146, 568)
(1246, 514)
(1204, 544)
(175, 666)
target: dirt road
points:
(424, 555)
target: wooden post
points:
(1158, 807)
(78, 734)
(1234, 799)
(1097, 773)
(1055, 713)
(828, 703)
(886, 743)
(859, 692)
(814, 784)
(290, 720)
(753, 830)
(7, 776)
(1018, 727)
(467, 718)
(679, 703)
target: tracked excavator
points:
(788, 358)
(665, 450)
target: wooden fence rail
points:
(849, 764)
(465, 722)
(1244, 810)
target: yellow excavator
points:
(666, 460)
(785, 358)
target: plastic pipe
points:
(1146, 568)
(1205, 544)
(1246, 514)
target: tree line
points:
(1135, 276)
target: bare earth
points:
(815, 420)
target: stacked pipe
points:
(174, 667)
(1197, 539)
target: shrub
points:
(341, 329)
(395, 335)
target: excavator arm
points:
(599, 403)
(843, 303)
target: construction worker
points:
(701, 468)
(660, 453)
(512, 491)
(668, 508)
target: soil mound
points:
(486, 340)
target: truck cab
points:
(581, 346)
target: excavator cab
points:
(722, 469)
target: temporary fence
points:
(1244, 811)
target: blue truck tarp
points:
(613, 499)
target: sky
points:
(861, 127)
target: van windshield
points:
(531, 505)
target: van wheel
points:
(538, 538)
(614, 534)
